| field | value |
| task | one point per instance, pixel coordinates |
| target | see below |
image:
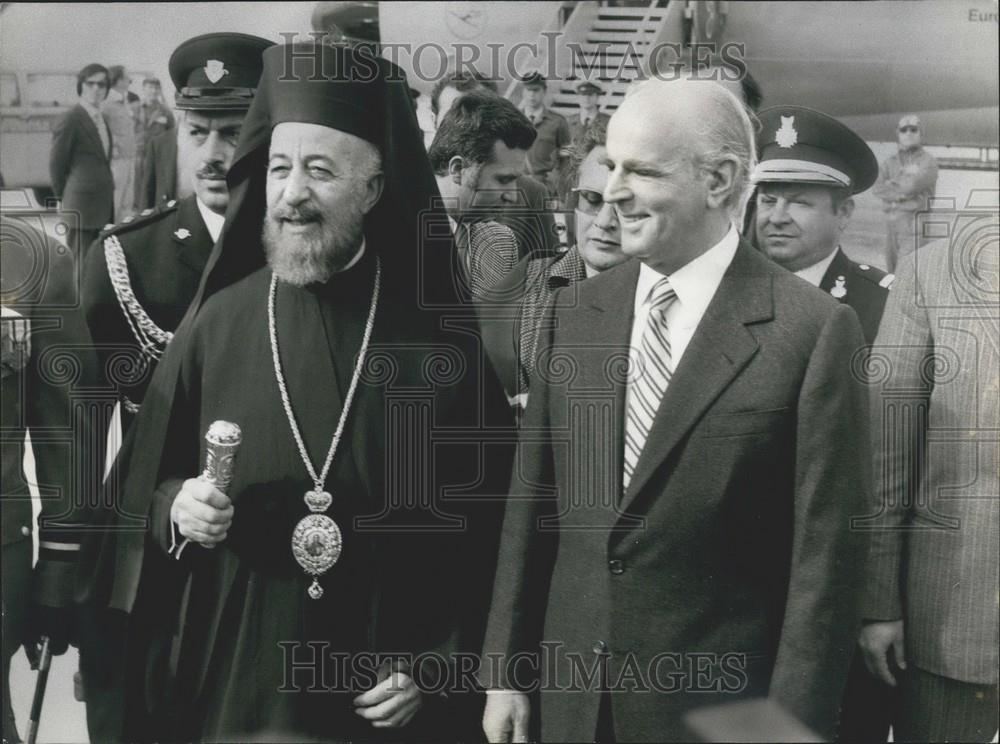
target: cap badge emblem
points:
(215, 70)
(786, 136)
(182, 233)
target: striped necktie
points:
(652, 376)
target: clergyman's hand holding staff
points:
(222, 442)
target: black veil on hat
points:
(343, 88)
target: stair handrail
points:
(640, 38)
(641, 32)
(577, 14)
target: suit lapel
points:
(191, 237)
(720, 348)
(608, 317)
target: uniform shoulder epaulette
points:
(875, 275)
(140, 219)
(151, 338)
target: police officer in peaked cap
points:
(142, 274)
(809, 168)
(589, 112)
(138, 285)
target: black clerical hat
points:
(337, 86)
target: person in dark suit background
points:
(530, 214)
(691, 511)
(80, 160)
(477, 154)
(48, 365)
(810, 168)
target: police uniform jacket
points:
(577, 127)
(152, 265)
(864, 288)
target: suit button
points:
(600, 647)
(25, 531)
(616, 567)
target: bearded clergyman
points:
(325, 591)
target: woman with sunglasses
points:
(513, 311)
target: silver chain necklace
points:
(317, 540)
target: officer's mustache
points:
(211, 172)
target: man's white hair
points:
(723, 130)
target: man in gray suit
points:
(678, 527)
(930, 604)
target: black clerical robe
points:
(412, 563)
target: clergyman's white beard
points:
(300, 260)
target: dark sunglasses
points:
(909, 129)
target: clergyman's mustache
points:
(302, 213)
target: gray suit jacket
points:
(935, 538)
(731, 545)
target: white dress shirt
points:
(814, 274)
(102, 126)
(695, 284)
(213, 221)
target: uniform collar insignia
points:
(215, 70)
(786, 136)
(182, 233)
(839, 288)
